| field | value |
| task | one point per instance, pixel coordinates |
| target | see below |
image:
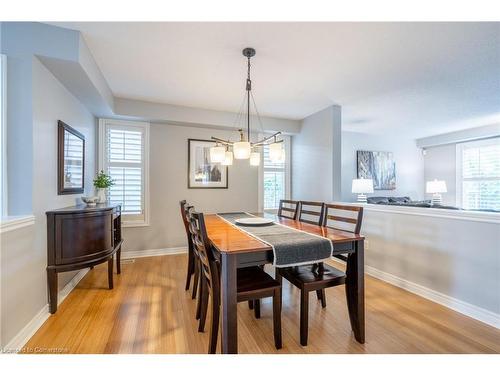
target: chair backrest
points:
(185, 219)
(288, 209)
(201, 243)
(311, 212)
(347, 218)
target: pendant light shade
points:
(255, 158)
(242, 150)
(275, 152)
(283, 155)
(217, 154)
(228, 159)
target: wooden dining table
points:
(235, 249)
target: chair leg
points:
(304, 316)
(277, 275)
(214, 326)
(190, 269)
(256, 305)
(322, 297)
(203, 303)
(250, 305)
(199, 287)
(277, 318)
(196, 278)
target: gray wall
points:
(465, 135)
(408, 157)
(21, 41)
(456, 257)
(168, 181)
(24, 254)
(441, 163)
(316, 157)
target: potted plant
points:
(101, 183)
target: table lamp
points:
(362, 186)
(435, 188)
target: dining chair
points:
(194, 267)
(191, 255)
(318, 277)
(288, 209)
(342, 217)
(311, 212)
(253, 283)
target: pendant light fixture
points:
(244, 148)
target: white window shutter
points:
(481, 174)
(125, 159)
(274, 181)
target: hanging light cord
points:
(257, 112)
(249, 90)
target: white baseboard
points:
(17, 343)
(153, 252)
(452, 303)
(475, 312)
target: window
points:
(276, 178)
(124, 153)
(478, 177)
(3, 135)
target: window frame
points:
(287, 144)
(459, 166)
(128, 220)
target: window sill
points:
(131, 224)
(10, 223)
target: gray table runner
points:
(291, 247)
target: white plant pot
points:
(101, 193)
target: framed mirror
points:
(70, 160)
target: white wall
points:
(440, 163)
(408, 158)
(316, 157)
(24, 252)
(168, 181)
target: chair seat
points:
(254, 279)
(307, 277)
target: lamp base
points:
(362, 198)
(436, 200)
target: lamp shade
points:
(217, 154)
(275, 152)
(242, 150)
(362, 186)
(228, 159)
(436, 187)
(255, 158)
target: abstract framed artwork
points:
(203, 174)
(379, 166)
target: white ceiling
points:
(417, 79)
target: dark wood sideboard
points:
(80, 237)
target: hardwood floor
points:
(148, 311)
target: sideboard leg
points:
(110, 273)
(118, 260)
(52, 284)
